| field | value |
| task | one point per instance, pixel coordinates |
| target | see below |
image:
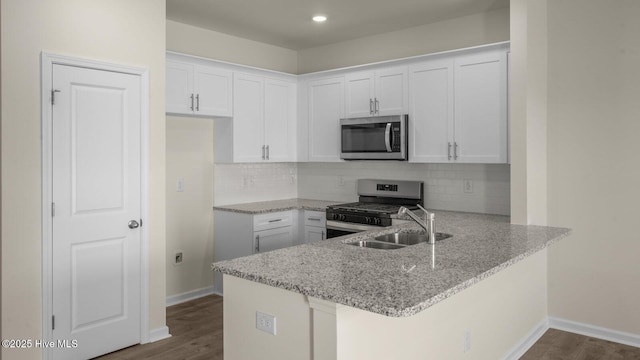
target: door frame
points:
(47, 62)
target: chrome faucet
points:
(428, 224)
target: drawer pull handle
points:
(275, 220)
(314, 219)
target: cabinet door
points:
(481, 107)
(359, 94)
(248, 104)
(314, 233)
(326, 108)
(179, 88)
(391, 92)
(279, 120)
(213, 89)
(273, 239)
(431, 113)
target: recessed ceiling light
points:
(319, 18)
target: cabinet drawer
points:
(272, 220)
(315, 218)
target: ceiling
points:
(288, 24)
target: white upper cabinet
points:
(481, 107)
(280, 120)
(198, 90)
(459, 109)
(263, 127)
(374, 93)
(431, 113)
(326, 108)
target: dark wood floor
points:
(196, 327)
(557, 344)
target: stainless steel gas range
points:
(378, 200)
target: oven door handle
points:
(336, 225)
(387, 137)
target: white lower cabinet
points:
(314, 226)
(240, 234)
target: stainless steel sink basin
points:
(377, 245)
(410, 238)
(397, 240)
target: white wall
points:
(443, 183)
(472, 30)
(120, 31)
(594, 107)
(192, 40)
(190, 212)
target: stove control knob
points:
(335, 216)
(378, 221)
(343, 217)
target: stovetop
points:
(369, 207)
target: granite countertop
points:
(277, 205)
(402, 282)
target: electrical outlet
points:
(177, 260)
(266, 322)
(468, 186)
(180, 185)
(467, 340)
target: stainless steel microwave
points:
(374, 138)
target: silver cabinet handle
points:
(377, 107)
(370, 106)
(267, 152)
(322, 236)
(387, 140)
(133, 224)
(257, 248)
(455, 151)
(449, 150)
(198, 102)
(314, 219)
(191, 102)
(263, 157)
(275, 220)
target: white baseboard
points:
(159, 334)
(189, 295)
(595, 331)
(526, 342)
(573, 327)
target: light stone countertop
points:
(264, 207)
(402, 282)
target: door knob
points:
(133, 224)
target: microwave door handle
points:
(387, 137)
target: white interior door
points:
(97, 192)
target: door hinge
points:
(53, 322)
(53, 96)
(53, 209)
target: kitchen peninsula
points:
(477, 294)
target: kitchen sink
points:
(397, 240)
(377, 245)
(410, 238)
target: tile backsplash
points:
(488, 189)
(242, 183)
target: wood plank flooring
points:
(196, 327)
(562, 345)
